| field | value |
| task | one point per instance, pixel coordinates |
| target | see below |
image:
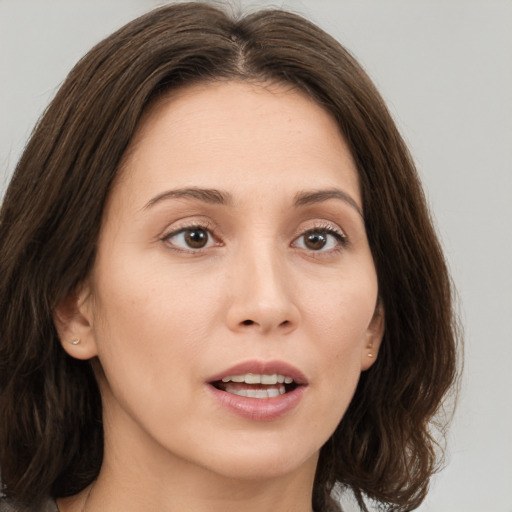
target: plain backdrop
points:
(445, 69)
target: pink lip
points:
(260, 409)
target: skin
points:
(162, 317)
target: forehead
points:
(240, 135)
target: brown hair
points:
(51, 439)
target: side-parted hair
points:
(51, 436)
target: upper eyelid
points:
(321, 225)
(183, 225)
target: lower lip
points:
(259, 409)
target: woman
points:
(220, 287)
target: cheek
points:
(147, 326)
(147, 351)
(340, 311)
(338, 319)
(150, 295)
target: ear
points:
(73, 320)
(374, 334)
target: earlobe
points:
(74, 323)
(374, 334)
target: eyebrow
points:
(214, 196)
(207, 195)
(319, 196)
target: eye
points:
(193, 237)
(320, 239)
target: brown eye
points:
(315, 240)
(196, 238)
(190, 238)
(321, 240)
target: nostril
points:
(286, 323)
(247, 322)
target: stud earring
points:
(75, 342)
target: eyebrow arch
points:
(318, 196)
(207, 195)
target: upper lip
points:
(262, 368)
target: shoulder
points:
(8, 506)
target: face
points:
(232, 305)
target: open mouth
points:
(260, 386)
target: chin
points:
(262, 461)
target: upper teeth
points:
(254, 378)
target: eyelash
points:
(327, 229)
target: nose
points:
(262, 297)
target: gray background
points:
(445, 69)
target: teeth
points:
(274, 392)
(257, 393)
(253, 378)
(269, 379)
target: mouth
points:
(255, 385)
(259, 390)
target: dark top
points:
(7, 506)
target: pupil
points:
(196, 238)
(315, 240)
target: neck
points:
(111, 494)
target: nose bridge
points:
(262, 293)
